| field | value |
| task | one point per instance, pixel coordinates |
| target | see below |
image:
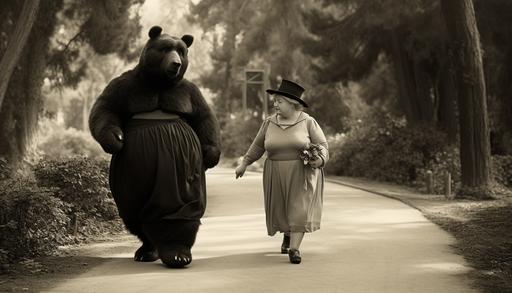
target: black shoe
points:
(294, 255)
(286, 244)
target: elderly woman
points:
(293, 191)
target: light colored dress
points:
(293, 191)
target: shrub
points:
(381, 147)
(447, 160)
(80, 182)
(67, 201)
(238, 133)
(57, 142)
(5, 169)
(32, 220)
(502, 169)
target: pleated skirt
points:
(293, 196)
(159, 173)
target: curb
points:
(388, 195)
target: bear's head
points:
(164, 57)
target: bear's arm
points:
(206, 126)
(105, 120)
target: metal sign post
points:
(256, 77)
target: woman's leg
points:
(296, 239)
(285, 246)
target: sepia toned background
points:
(408, 92)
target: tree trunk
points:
(402, 74)
(414, 84)
(16, 44)
(459, 16)
(22, 102)
(423, 99)
(447, 111)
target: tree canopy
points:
(63, 32)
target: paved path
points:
(367, 243)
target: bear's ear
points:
(155, 32)
(188, 39)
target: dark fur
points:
(157, 83)
(143, 89)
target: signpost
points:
(256, 82)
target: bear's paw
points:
(175, 256)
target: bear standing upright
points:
(163, 136)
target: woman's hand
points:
(316, 163)
(240, 170)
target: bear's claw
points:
(145, 254)
(175, 257)
(177, 261)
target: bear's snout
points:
(172, 64)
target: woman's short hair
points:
(298, 106)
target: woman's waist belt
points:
(283, 155)
(157, 115)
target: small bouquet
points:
(309, 154)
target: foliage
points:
(381, 147)
(238, 133)
(263, 34)
(67, 201)
(5, 170)
(87, 27)
(55, 142)
(502, 170)
(80, 182)
(384, 148)
(61, 42)
(493, 19)
(446, 160)
(32, 222)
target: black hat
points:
(290, 90)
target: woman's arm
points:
(317, 136)
(257, 148)
(255, 151)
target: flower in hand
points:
(311, 156)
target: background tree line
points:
(371, 60)
(404, 58)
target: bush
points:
(67, 201)
(80, 182)
(447, 160)
(502, 170)
(5, 169)
(238, 133)
(57, 142)
(381, 147)
(33, 221)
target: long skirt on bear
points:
(159, 174)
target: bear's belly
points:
(157, 114)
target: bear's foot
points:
(146, 253)
(175, 256)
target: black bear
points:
(162, 136)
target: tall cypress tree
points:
(474, 126)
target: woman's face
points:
(283, 106)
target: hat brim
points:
(276, 92)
